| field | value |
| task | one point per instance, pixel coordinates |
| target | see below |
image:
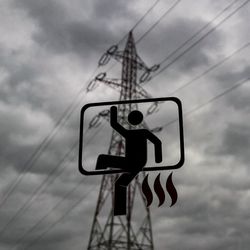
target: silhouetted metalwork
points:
(117, 232)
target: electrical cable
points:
(54, 208)
(72, 190)
(201, 38)
(39, 150)
(199, 31)
(227, 91)
(168, 11)
(79, 201)
(224, 20)
(216, 65)
(159, 20)
(44, 183)
(141, 19)
(46, 141)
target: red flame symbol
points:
(159, 190)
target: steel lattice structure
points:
(111, 232)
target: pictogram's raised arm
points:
(114, 121)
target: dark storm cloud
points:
(172, 34)
(236, 141)
(238, 100)
(23, 85)
(60, 32)
(181, 30)
(231, 75)
(185, 61)
(207, 212)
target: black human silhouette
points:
(135, 155)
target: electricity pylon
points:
(111, 232)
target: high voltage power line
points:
(185, 114)
(68, 111)
(78, 202)
(167, 12)
(141, 19)
(181, 87)
(225, 92)
(54, 208)
(28, 203)
(199, 31)
(41, 147)
(66, 114)
(211, 68)
(202, 37)
(204, 73)
(73, 206)
(189, 47)
(225, 58)
(40, 189)
(62, 120)
(158, 21)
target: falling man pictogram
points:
(135, 155)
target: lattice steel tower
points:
(130, 232)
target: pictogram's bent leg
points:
(111, 161)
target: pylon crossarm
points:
(105, 58)
(117, 84)
(141, 65)
(96, 120)
(141, 92)
(119, 56)
(113, 83)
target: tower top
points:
(130, 45)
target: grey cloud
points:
(236, 142)
(173, 34)
(60, 32)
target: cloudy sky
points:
(49, 49)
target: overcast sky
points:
(48, 51)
